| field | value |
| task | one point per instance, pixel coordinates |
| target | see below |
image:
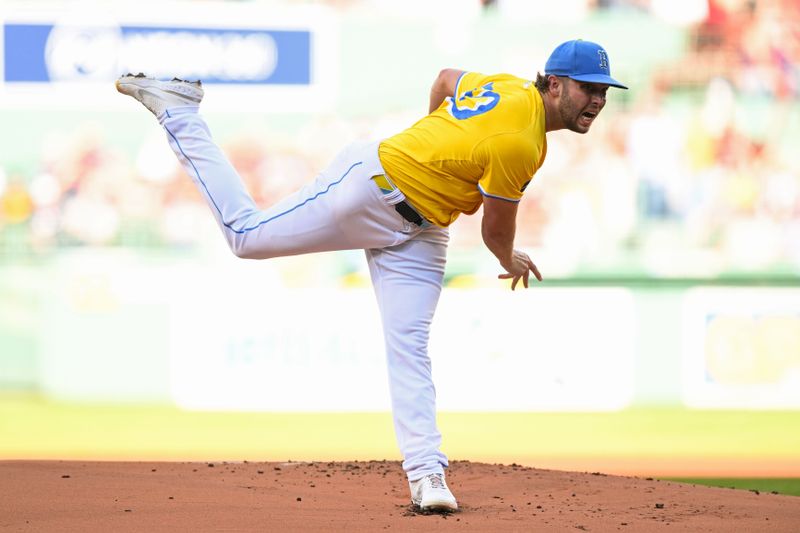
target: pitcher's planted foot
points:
(431, 494)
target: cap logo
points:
(603, 60)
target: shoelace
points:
(436, 481)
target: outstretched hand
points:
(520, 268)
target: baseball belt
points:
(403, 208)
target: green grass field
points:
(789, 486)
(745, 449)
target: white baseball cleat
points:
(431, 493)
(157, 96)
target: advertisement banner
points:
(288, 56)
(742, 348)
(45, 53)
(322, 350)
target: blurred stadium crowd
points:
(694, 174)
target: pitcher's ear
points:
(554, 83)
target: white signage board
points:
(278, 349)
(742, 348)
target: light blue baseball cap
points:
(582, 61)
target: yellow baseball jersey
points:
(488, 139)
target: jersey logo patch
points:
(474, 102)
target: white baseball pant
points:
(341, 209)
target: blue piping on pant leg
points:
(244, 230)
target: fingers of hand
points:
(523, 274)
(536, 272)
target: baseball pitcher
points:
(481, 144)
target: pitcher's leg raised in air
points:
(340, 209)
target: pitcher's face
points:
(580, 103)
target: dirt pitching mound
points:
(364, 496)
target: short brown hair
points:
(541, 83)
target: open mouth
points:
(587, 117)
